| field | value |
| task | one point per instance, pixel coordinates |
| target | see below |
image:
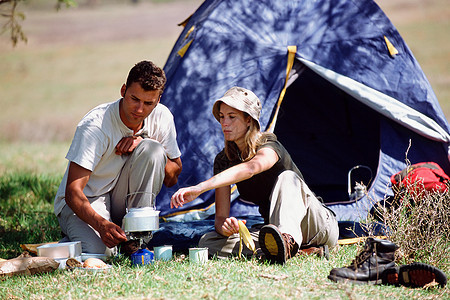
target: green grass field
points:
(27, 217)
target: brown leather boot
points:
(414, 275)
(277, 247)
(369, 265)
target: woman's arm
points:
(264, 159)
(223, 195)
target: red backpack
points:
(420, 178)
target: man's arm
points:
(110, 233)
(172, 171)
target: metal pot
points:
(141, 219)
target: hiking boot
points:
(414, 275)
(367, 267)
(277, 246)
(320, 251)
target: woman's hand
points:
(184, 195)
(231, 226)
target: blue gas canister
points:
(142, 257)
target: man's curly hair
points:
(148, 75)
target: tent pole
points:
(292, 50)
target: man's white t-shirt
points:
(95, 139)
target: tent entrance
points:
(327, 132)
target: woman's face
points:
(234, 123)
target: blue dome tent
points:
(339, 87)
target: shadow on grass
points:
(38, 228)
(27, 214)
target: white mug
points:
(163, 252)
(198, 255)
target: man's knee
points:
(151, 150)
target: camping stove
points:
(139, 223)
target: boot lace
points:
(365, 254)
(290, 243)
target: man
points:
(121, 154)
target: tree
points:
(8, 10)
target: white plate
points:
(95, 270)
(85, 256)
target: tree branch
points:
(14, 17)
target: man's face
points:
(137, 104)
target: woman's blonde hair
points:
(253, 139)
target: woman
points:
(264, 174)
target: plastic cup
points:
(198, 255)
(163, 252)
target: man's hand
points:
(111, 234)
(127, 144)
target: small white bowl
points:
(85, 256)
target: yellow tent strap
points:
(391, 48)
(356, 240)
(189, 32)
(183, 50)
(292, 50)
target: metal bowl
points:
(60, 250)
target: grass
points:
(76, 59)
(301, 277)
(33, 158)
(29, 218)
(27, 211)
(420, 226)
